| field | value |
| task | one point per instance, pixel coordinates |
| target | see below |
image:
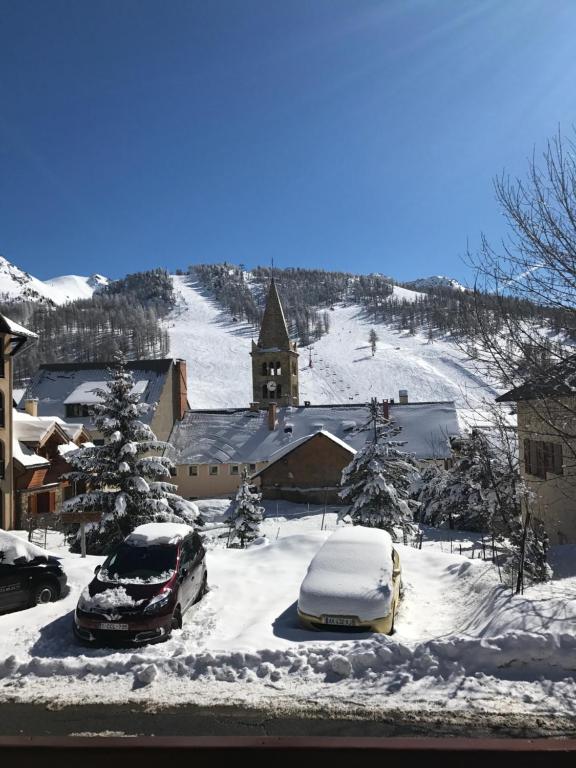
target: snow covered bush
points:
(245, 514)
(127, 478)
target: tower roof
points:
(273, 331)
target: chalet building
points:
(294, 451)
(40, 447)
(12, 338)
(67, 391)
(547, 447)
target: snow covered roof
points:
(34, 430)
(557, 380)
(57, 385)
(296, 443)
(31, 429)
(153, 534)
(86, 393)
(242, 435)
(74, 431)
(9, 326)
(350, 574)
(26, 456)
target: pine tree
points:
(483, 491)
(127, 478)
(377, 481)
(245, 514)
(373, 339)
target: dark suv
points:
(143, 588)
(25, 582)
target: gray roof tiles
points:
(54, 383)
(241, 435)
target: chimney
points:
(272, 417)
(31, 406)
(180, 388)
(386, 409)
(403, 396)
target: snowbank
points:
(462, 640)
(12, 548)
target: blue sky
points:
(360, 135)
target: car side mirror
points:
(97, 570)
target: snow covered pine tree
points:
(376, 482)
(245, 514)
(124, 479)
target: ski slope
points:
(339, 368)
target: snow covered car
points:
(352, 582)
(144, 587)
(28, 574)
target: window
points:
(2, 463)
(2, 409)
(234, 469)
(541, 457)
(264, 392)
(77, 409)
(264, 369)
(2, 374)
(279, 390)
(252, 467)
(193, 470)
(278, 369)
(214, 469)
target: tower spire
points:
(274, 330)
(274, 357)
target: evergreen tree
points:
(483, 491)
(127, 479)
(245, 514)
(378, 479)
(373, 339)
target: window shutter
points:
(558, 459)
(527, 456)
(539, 460)
(549, 457)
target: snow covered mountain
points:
(434, 281)
(17, 285)
(73, 287)
(339, 368)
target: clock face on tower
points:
(271, 386)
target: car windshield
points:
(142, 563)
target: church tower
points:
(274, 358)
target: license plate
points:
(120, 627)
(340, 621)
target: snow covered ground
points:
(343, 369)
(462, 642)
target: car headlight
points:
(85, 601)
(158, 602)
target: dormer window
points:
(75, 410)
